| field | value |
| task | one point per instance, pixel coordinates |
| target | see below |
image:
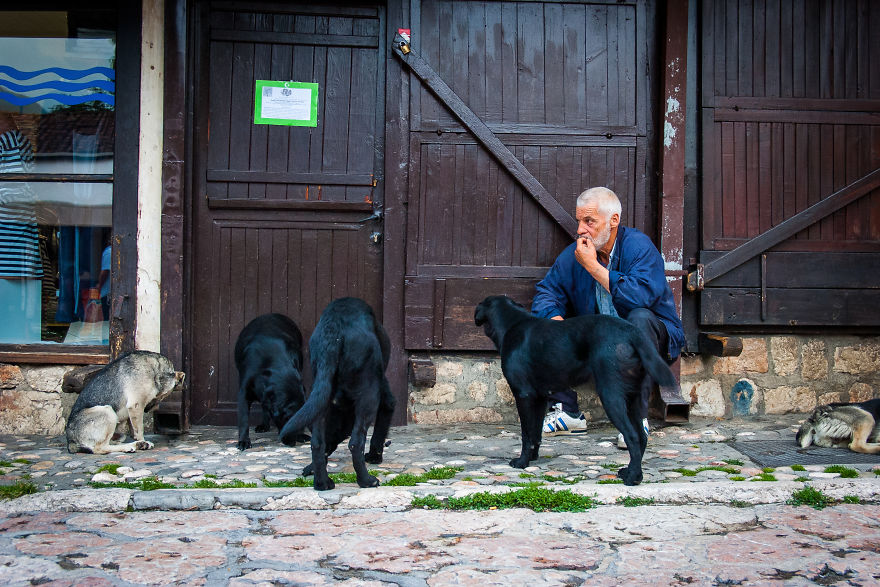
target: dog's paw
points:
(244, 444)
(261, 428)
(628, 477)
(324, 486)
(143, 445)
(369, 481)
(519, 463)
(373, 458)
(307, 470)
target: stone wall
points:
(772, 375)
(31, 400)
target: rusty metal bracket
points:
(695, 279)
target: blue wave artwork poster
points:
(41, 75)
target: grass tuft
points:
(631, 501)
(233, 484)
(17, 489)
(145, 484)
(111, 468)
(537, 499)
(798, 468)
(845, 472)
(810, 496)
(298, 482)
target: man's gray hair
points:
(607, 202)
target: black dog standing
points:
(539, 356)
(349, 351)
(268, 356)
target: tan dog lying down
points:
(121, 392)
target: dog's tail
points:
(324, 367)
(654, 363)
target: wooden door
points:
(565, 90)
(285, 218)
(791, 164)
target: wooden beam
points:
(481, 132)
(784, 230)
(720, 345)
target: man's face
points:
(593, 224)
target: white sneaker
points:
(557, 421)
(621, 443)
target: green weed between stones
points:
(537, 499)
(692, 472)
(810, 496)
(111, 468)
(734, 462)
(851, 499)
(735, 503)
(145, 484)
(798, 468)
(17, 489)
(763, 477)
(211, 484)
(845, 472)
(631, 502)
(876, 471)
(5, 463)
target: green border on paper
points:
(258, 103)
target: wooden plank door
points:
(791, 120)
(566, 88)
(285, 218)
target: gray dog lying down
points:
(854, 426)
(120, 393)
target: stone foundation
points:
(31, 401)
(772, 375)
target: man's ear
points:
(614, 220)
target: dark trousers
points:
(655, 331)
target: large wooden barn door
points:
(791, 187)
(564, 90)
(285, 218)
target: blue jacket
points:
(637, 279)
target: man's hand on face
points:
(560, 318)
(585, 252)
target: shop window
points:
(57, 137)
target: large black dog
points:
(268, 355)
(539, 356)
(349, 352)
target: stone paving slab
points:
(614, 545)
(692, 463)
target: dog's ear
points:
(480, 314)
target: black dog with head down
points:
(539, 356)
(268, 355)
(349, 352)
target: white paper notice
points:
(286, 103)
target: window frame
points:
(123, 272)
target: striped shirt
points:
(19, 239)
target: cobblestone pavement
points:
(480, 453)
(719, 526)
(613, 545)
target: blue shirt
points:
(637, 279)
